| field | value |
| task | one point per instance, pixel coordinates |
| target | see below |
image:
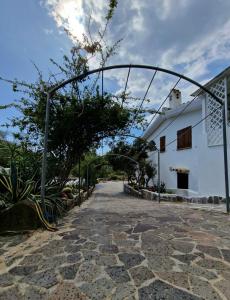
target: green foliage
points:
(162, 187)
(112, 6)
(26, 160)
(138, 151)
(150, 172)
(14, 188)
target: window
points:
(162, 144)
(184, 138)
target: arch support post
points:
(225, 147)
(159, 177)
(45, 151)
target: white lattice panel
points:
(214, 121)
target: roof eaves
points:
(224, 73)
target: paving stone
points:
(89, 245)
(177, 278)
(23, 270)
(149, 239)
(143, 227)
(118, 274)
(99, 289)
(73, 248)
(168, 219)
(106, 260)
(160, 290)
(10, 294)
(129, 244)
(31, 259)
(141, 274)
(6, 280)
(108, 249)
(163, 248)
(183, 247)
(90, 255)
(130, 260)
(186, 258)
(32, 293)
(11, 260)
(102, 239)
(49, 250)
(225, 275)
(88, 272)
(226, 254)
(68, 291)
(52, 263)
(71, 236)
(58, 243)
(160, 263)
(69, 272)
(212, 251)
(73, 258)
(119, 236)
(203, 288)
(213, 264)
(80, 241)
(165, 235)
(124, 291)
(44, 279)
(224, 287)
(198, 271)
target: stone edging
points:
(153, 196)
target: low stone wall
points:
(153, 196)
(131, 191)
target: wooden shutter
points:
(184, 138)
(162, 144)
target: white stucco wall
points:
(172, 157)
(206, 164)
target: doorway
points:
(182, 180)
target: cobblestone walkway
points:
(117, 247)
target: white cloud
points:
(183, 35)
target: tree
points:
(80, 116)
(137, 151)
(150, 172)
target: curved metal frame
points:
(129, 66)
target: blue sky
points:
(188, 36)
(28, 34)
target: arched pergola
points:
(55, 88)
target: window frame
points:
(186, 141)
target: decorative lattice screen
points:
(214, 121)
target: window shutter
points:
(184, 138)
(162, 144)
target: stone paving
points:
(119, 247)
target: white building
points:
(191, 159)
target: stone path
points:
(118, 247)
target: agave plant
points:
(15, 189)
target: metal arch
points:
(138, 66)
(134, 66)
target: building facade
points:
(191, 150)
